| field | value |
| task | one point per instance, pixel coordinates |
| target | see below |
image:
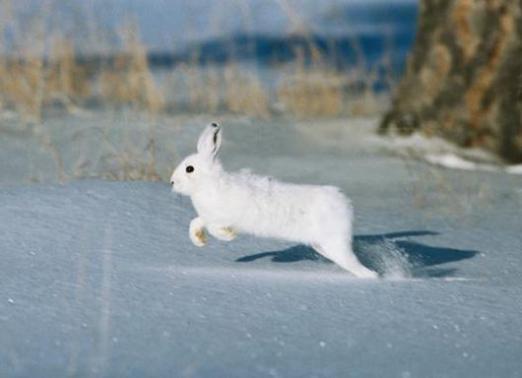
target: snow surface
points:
(515, 169)
(441, 153)
(100, 278)
(455, 162)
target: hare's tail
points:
(341, 253)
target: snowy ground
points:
(100, 278)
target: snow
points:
(100, 278)
(455, 162)
(515, 169)
(441, 153)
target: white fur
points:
(230, 203)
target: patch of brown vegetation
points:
(465, 37)
(22, 85)
(434, 73)
(244, 93)
(311, 90)
(66, 80)
(129, 80)
(486, 75)
(47, 71)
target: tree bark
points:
(464, 77)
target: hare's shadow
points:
(423, 259)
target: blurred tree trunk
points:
(464, 76)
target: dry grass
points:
(38, 69)
(244, 93)
(29, 83)
(35, 77)
(312, 91)
(41, 69)
(317, 90)
(203, 87)
(228, 88)
(66, 80)
(129, 80)
(310, 86)
(22, 86)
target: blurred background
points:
(78, 77)
(106, 88)
(413, 108)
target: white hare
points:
(231, 203)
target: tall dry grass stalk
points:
(66, 80)
(22, 74)
(129, 80)
(22, 84)
(29, 82)
(244, 93)
(227, 88)
(311, 90)
(202, 85)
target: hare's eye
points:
(189, 169)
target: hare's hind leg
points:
(341, 253)
(222, 233)
(197, 232)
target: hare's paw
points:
(197, 232)
(223, 233)
(198, 237)
(230, 233)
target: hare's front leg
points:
(197, 232)
(222, 233)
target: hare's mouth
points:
(177, 189)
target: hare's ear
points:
(210, 140)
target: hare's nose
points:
(171, 182)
